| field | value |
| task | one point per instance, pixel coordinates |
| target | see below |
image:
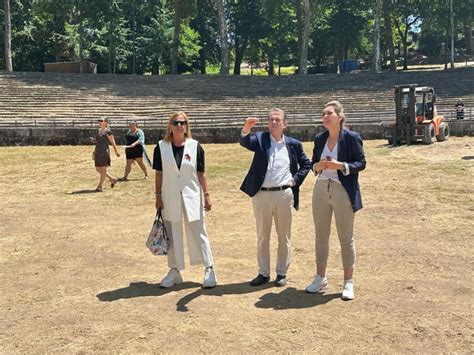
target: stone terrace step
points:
(43, 96)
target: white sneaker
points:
(172, 278)
(348, 290)
(210, 279)
(319, 284)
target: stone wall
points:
(80, 136)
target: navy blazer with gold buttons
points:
(350, 151)
(260, 143)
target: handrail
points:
(218, 121)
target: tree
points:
(407, 15)
(246, 22)
(223, 36)
(8, 37)
(154, 41)
(177, 29)
(304, 22)
(389, 34)
(183, 9)
(279, 28)
(378, 18)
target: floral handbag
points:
(158, 240)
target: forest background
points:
(225, 36)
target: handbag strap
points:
(158, 216)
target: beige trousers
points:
(269, 205)
(198, 243)
(329, 196)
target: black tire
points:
(443, 132)
(429, 136)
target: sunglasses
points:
(101, 121)
(180, 123)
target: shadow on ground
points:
(291, 298)
(142, 289)
(80, 192)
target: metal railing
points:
(216, 121)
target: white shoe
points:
(348, 290)
(210, 279)
(319, 284)
(172, 278)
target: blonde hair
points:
(338, 109)
(169, 134)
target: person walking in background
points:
(338, 156)
(459, 110)
(182, 194)
(102, 153)
(278, 168)
(135, 150)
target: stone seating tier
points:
(83, 97)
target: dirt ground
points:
(77, 278)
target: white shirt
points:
(278, 169)
(329, 174)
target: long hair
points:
(169, 134)
(338, 109)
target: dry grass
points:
(76, 276)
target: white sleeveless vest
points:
(183, 182)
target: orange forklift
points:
(416, 117)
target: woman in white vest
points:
(182, 194)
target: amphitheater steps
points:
(46, 96)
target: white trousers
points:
(198, 243)
(269, 205)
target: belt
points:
(276, 188)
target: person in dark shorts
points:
(459, 110)
(102, 153)
(135, 150)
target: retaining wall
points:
(80, 136)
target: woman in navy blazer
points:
(338, 156)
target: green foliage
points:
(113, 33)
(189, 46)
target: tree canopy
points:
(212, 36)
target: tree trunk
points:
(405, 48)
(378, 17)
(134, 29)
(240, 47)
(81, 42)
(8, 37)
(177, 30)
(202, 58)
(223, 37)
(271, 65)
(468, 38)
(304, 23)
(389, 34)
(110, 58)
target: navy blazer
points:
(350, 151)
(260, 143)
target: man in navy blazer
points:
(278, 168)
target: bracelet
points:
(206, 193)
(158, 194)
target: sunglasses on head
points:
(181, 123)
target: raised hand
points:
(249, 123)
